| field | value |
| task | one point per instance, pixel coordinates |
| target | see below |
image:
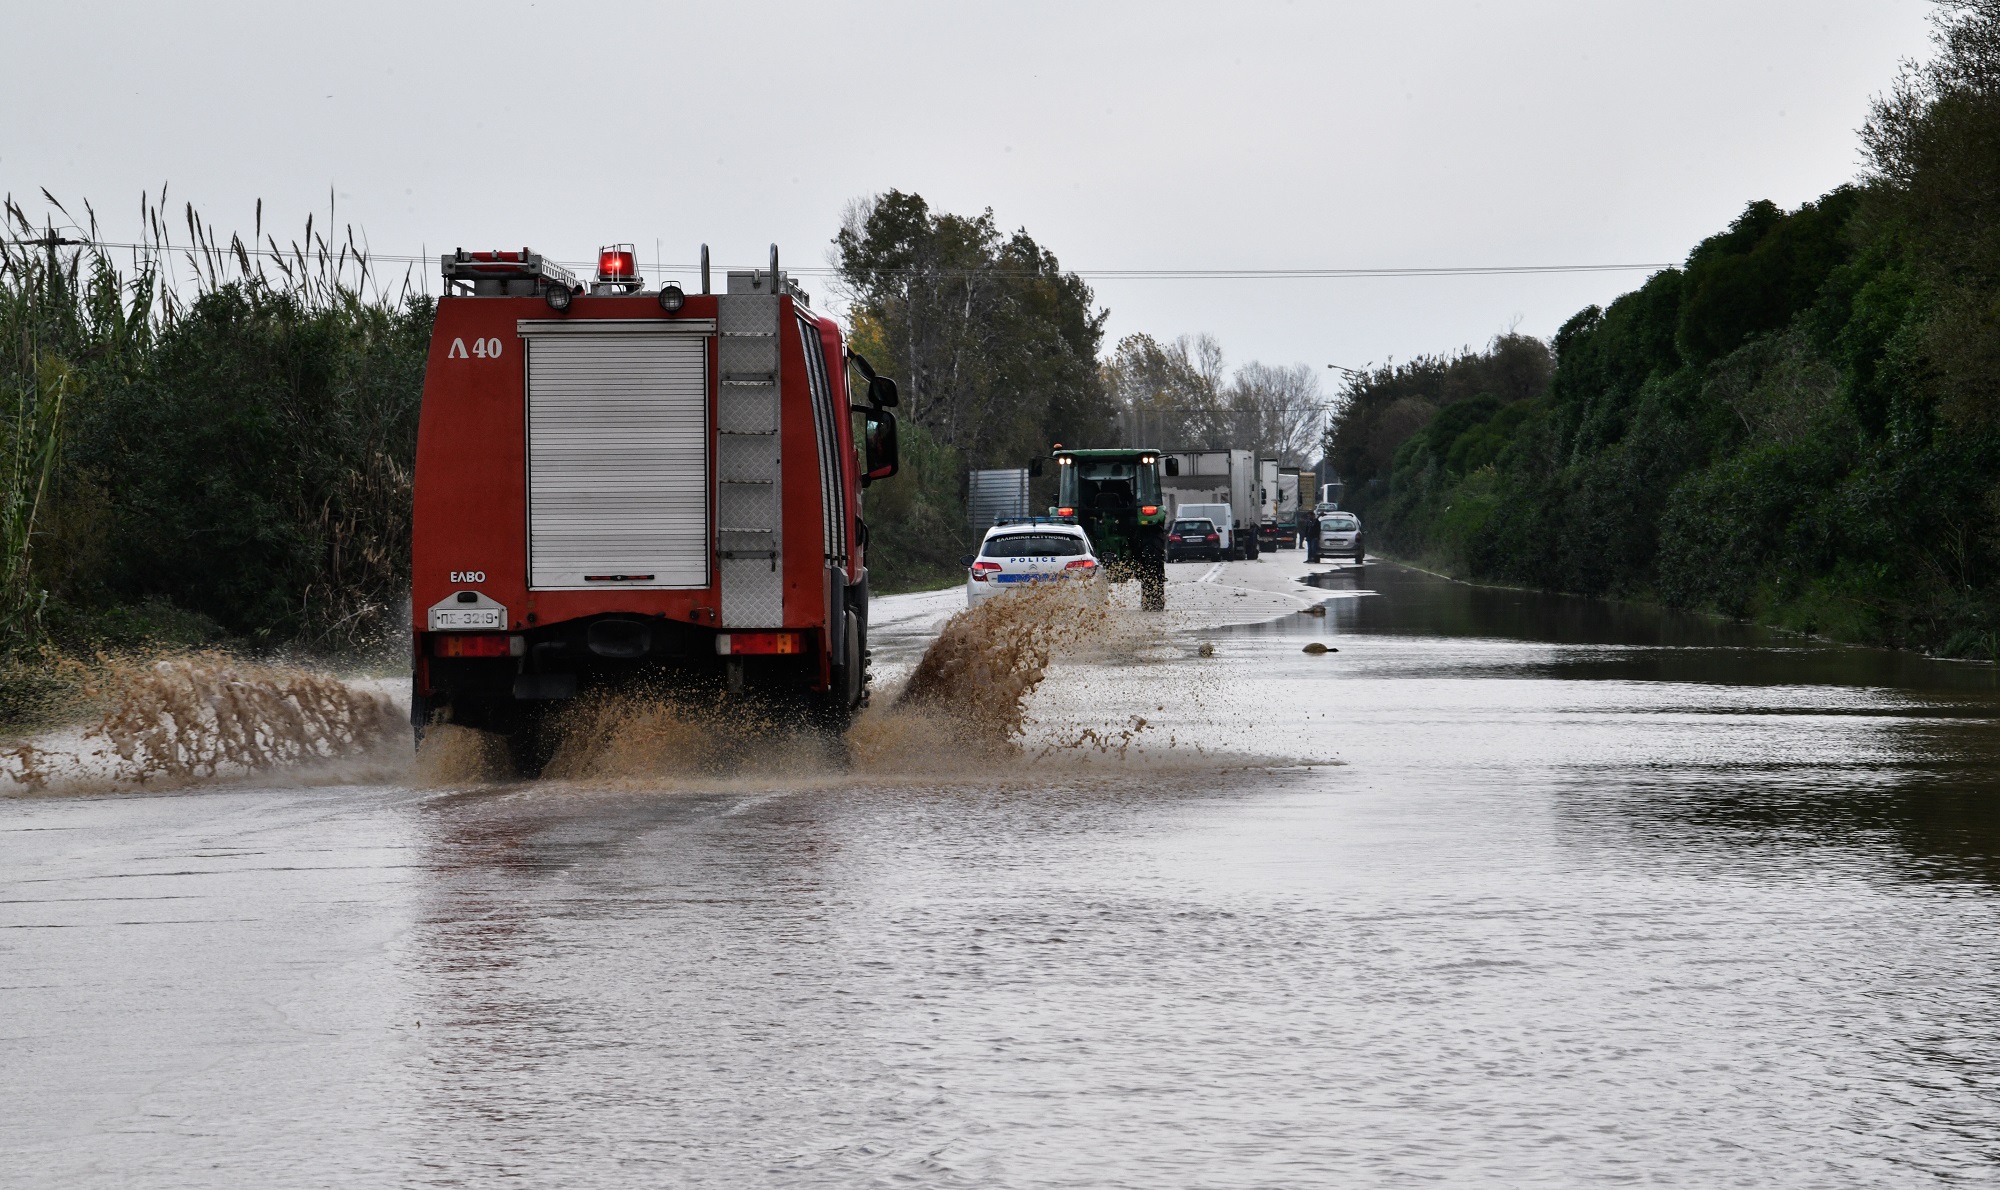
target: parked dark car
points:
(1193, 539)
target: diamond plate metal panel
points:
(747, 410)
(746, 506)
(745, 458)
(753, 595)
(745, 542)
(749, 356)
(747, 511)
(747, 312)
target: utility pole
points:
(50, 241)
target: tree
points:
(1168, 394)
(1178, 394)
(994, 344)
(1277, 411)
(1933, 148)
(1378, 411)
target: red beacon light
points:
(618, 267)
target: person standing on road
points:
(1309, 529)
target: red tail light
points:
(979, 570)
(1173, 537)
(1081, 564)
(471, 644)
(1214, 537)
(1149, 509)
(1065, 512)
(619, 262)
(735, 644)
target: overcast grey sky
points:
(1121, 135)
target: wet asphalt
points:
(1509, 889)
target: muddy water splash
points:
(965, 702)
(974, 681)
(199, 716)
(640, 735)
(207, 715)
(454, 755)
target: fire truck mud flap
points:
(542, 687)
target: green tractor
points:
(1115, 496)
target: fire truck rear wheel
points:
(531, 738)
(855, 664)
(420, 716)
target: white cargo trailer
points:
(1267, 503)
(1208, 478)
(992, 496)
(1288, 507)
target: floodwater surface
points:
(1509, 889)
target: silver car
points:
(1340, 536)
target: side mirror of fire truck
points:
(879, 434)
(881, 389)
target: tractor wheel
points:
(1153, 585)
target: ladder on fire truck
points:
(749, 495)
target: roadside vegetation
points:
(1800, 426)
(203, 447)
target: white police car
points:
(1018, 553)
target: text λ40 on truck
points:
(617, 485)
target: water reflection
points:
(1748, 744)
(1605, 640)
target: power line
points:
(1233, 411)
(1186, 274)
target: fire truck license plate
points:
(445, 620)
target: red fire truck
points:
(617, 484)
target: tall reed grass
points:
(217, 425)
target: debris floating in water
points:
(1317, 648)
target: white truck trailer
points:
(1288, 507)
(1220, 485)
(1277, 505)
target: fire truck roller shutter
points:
(617, 459)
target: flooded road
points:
(1509, 889)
